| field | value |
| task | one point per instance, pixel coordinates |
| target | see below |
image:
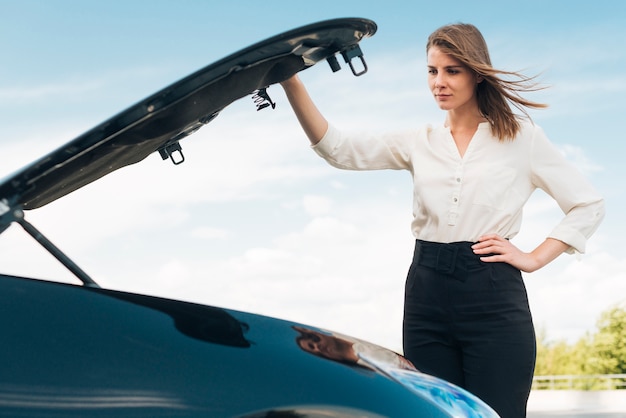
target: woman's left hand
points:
(493, 248)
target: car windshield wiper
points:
(10, 214)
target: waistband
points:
(447, 258)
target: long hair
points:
(495, 93)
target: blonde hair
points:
(495, 93)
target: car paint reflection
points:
(352, 351)
(348, 350)
(205, 323)
(71, 398)
(314, 412)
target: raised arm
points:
(310, 118)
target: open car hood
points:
(160, 121)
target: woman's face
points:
(453, 84)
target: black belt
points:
(447, 258)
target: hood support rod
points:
(18, 216)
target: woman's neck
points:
(464, 121)
(462, 128)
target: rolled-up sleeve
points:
(582, 205)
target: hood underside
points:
(160, 121)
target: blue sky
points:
(253, 219)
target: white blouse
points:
(461, 198)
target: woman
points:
(466, 315)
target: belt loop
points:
(446, 258)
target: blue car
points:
(79, 350)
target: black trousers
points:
(468, 322)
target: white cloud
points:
(568, 300)
(170, 275)
(335, 184)
(207, 232)
(77, 87)
(579, 158)
(48, 91)
(317, 205)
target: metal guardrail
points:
(580, 382)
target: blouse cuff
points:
(571, 237)
(326, 145)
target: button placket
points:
(453, 212)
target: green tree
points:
(601, 352)
(560, 357)
(609, 342)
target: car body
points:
(69, 350)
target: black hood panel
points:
(178, 110)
